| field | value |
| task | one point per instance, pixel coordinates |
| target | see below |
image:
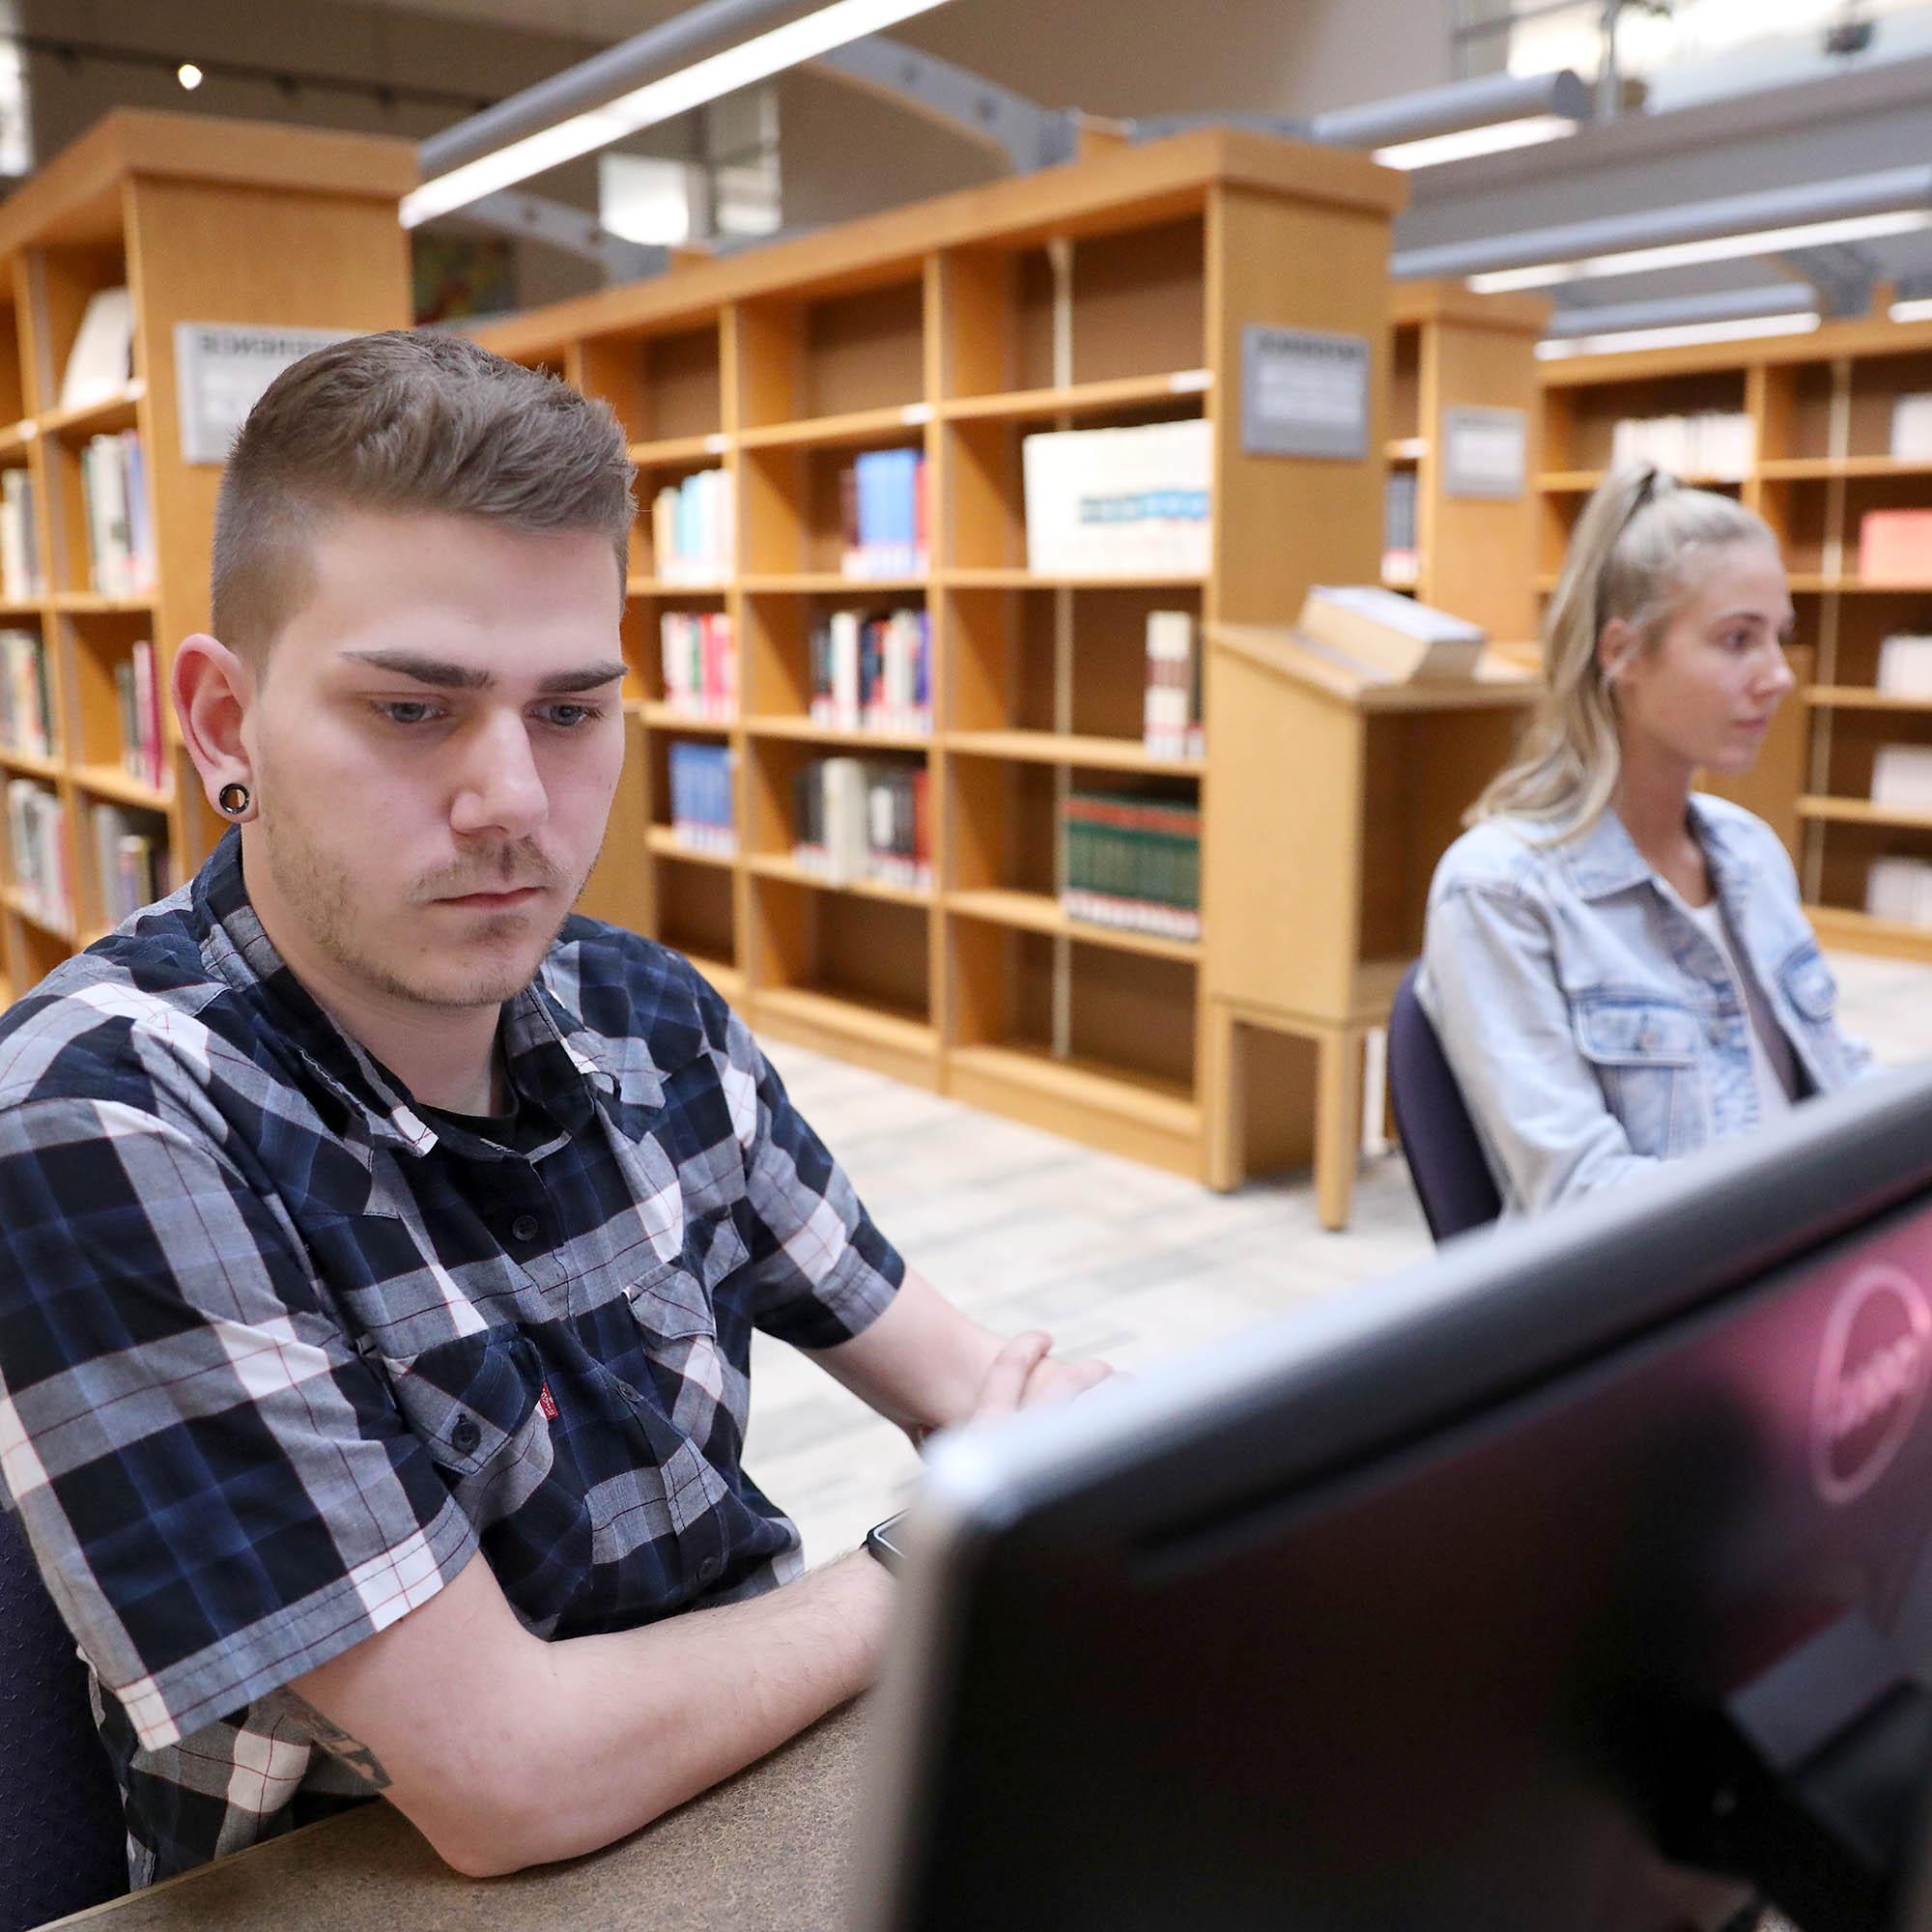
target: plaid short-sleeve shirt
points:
(277, 1355)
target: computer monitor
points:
(1576, 1580)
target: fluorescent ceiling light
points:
(1714, 248)
(1918, 309)
(1494, 139)
(721, 73)
(1674, 338)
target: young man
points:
(362, 1211)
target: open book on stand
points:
(1388, 637)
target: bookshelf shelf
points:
(1860, 932)
(1861, 698)
(101, 418)
(110, 782)
(673, 587)
(30, 764)
(664, 840)
(853, 431)
(1111, 293)
(1038, 912)
(1823, 468)
(1079, 399)
(1406, 449)
(776, 865)
(1862, 812)
(193, 217)
(678, 452)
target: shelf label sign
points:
(1304, 392)
(221, 369)
(1485, 452)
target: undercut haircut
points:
(410, 423)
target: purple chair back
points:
(1445, 1159)
(63, 1844)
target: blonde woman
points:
(1619, 968)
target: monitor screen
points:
(1576, 1578)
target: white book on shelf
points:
(100, 364)
(1902, 776)
(1894, 888)
(1911, 427)
(18, 572)
(842, 783)
(1905, 666)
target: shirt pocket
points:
(475, 1405)
(1645, 1053)
(677, 1331)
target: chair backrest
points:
(63, 1844)
(1445, 1158)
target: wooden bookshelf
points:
(1455, 350)
(1820, 405)
(1111, 291)
(201, 220)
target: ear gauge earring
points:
(235, 799)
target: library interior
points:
(1173, 1166)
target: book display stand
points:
(1319, 912)
(1111, 293)
(1822, 410)
(192, 216)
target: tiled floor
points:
(1022, 1229)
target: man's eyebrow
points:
(444, 676)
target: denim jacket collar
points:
(1605, 860)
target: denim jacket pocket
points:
(1644, 1051)
(1808, 986)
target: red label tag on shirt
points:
(547, 1403)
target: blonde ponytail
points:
(1631, 557)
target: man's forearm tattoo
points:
(340, 1746)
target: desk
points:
(767, 1851)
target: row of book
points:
(1902, 776)
(119, 515)
(872, 671)
(1170, 727)
(138, 694)
(1901, 890)
(26, 713)
(20, 580)
(692, 525)
(882, 498)
(1400, 556)
(702, 812)
(856, 819)
(1717, 443)
(1132, 863)
(1114, 502)
(1911, 427)
(700, 656)
(130, 859)
(35, 828)
(1895, 546)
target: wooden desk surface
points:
(767, 1850)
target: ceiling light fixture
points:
(1620, 340)
(659, 100)
(1497, 138)
(1918, 309)
(1466, 117)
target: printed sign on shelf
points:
(221, 369)
(1304, 392)
(1485, 452)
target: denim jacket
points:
(1591, 1026)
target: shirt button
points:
(525, 1228)
(707, 1571)
(465, 1435)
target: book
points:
(100, 364)
(1902, 776)
(1905, 666)
(121, 554)
(1119, 503)
(693, 528)
(856, 819)
(1400, 556)
(1714, 444)
(702, 810)
(1901, 890)
(698, 654)
(35, 826)
(1171, 726)
(872, 672)
(1911, 427)
(880, 494)
(20, 538)
(1895, 546)
(26, 719)
(1131, 861)
(1391, 636)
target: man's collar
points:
(553, 1058)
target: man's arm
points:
(926, 1366)
(505, 1750)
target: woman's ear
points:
(1616, 646)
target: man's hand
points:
(925, 1366)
